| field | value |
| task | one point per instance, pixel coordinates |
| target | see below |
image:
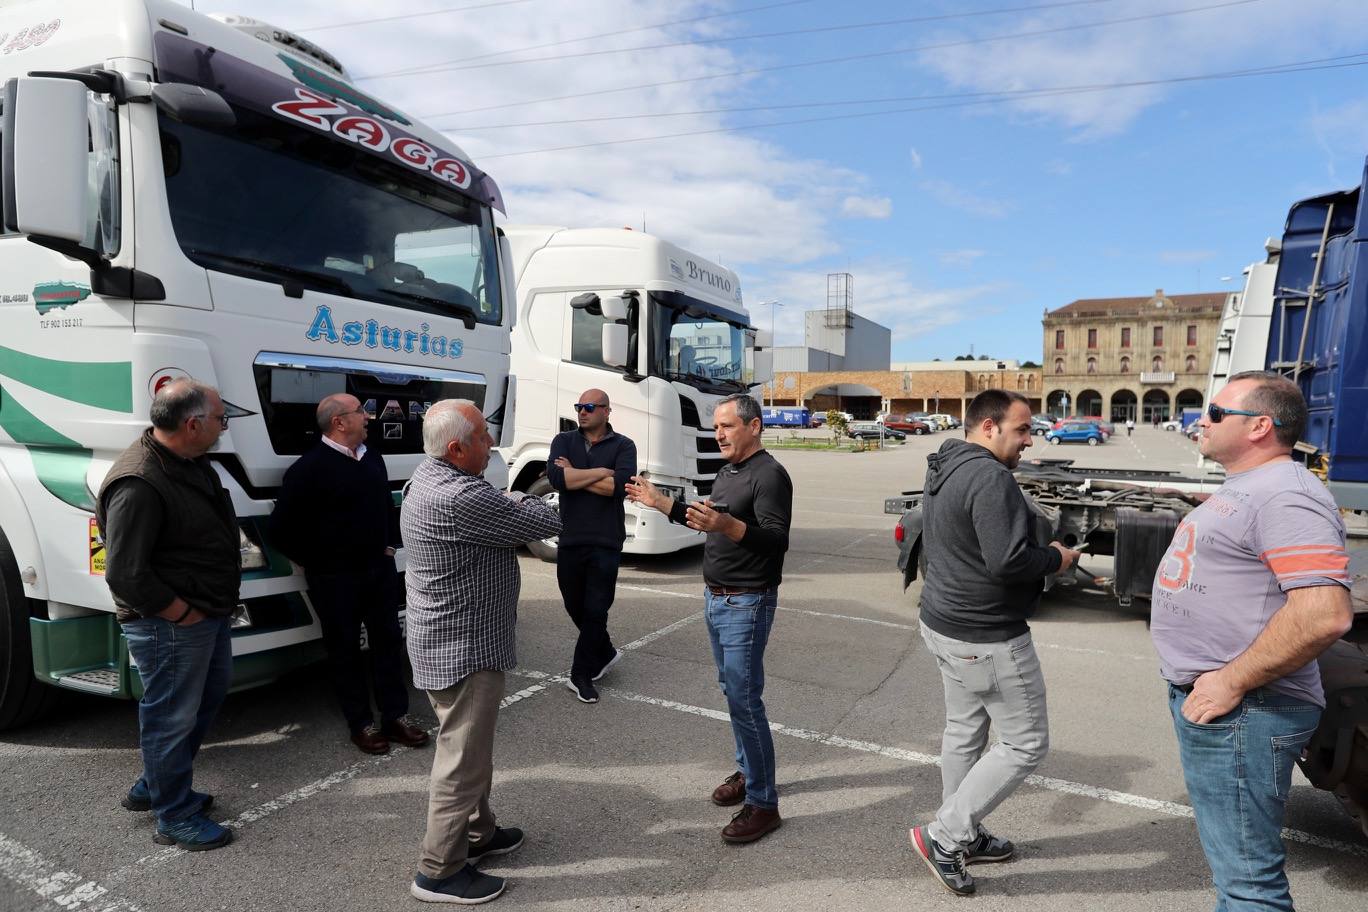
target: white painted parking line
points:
(1064, 786)
(59, 889)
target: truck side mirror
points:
(191, 104)
(45, 159)
(762, 366)
(615, 344)
(614, 308)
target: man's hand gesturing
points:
(641, 491)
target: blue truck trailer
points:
(785, 417)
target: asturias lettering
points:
(373, 334)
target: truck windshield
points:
(266, 199)
(692, 342)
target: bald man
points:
(335, 517)
(590, 467)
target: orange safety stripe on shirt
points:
(1289, 549)
(1329, 562)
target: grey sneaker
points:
(467, 887)
(947, 866)
(988, 847)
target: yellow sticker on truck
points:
(97, 550)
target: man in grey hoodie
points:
(984, 574)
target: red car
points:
(1105, 426)
(907, 426)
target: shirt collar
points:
(608, 434)
(360, 451)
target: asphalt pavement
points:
(614, 796)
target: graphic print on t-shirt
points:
(1176, 570)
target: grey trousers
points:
(462, 771)
(997, 683)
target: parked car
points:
(1041, 424)
(1105, 426)
(928, 419)
(1076, 432)
(948, 421)
(872, 430)
(1173, 424)
(907, 425)
(1194, 431)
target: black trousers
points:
(345, 601)
(588, 580)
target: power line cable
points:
(855, 57)
(638, 28)
(998, 99)
(816, 30)
(650, 115)
(396, 18)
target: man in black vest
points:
(173, 570)
(590, 468)
(335, 517)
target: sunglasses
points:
(589, 406)
(1216, 414)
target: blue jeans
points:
(1238, 770)
(185, 673)
(739, 627)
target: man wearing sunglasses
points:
(173, 569)
(590, 467)
(1254, 586)
(336, 518)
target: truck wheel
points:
(1054, 441)
(547, 547)
(1093, 441)
(23, 697)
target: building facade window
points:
(1190, 365)
(1192, 337)
(1157, 365)
(1059, 340)
(1125, 365)
(1092, 365)
(1125, 337)
(1092, 338)
(1158, 336)
(1059, 365)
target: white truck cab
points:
(663, 331)
(211, 197)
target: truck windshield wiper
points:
(464, 311)
(332, 283)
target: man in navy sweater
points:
(590, 467)
(335, 517)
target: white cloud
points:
(867, 207)
(916, 159)
(955, 197)
(1174, 46)
(734, 197)
(960, 258)
(887, 293)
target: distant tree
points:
(1027, 365)
(964, 357)
(984, 358)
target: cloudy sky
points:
(971, 163)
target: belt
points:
(1182, 688)
(734, 590)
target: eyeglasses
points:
(1216, 413)
(589, 406)
(222, 420)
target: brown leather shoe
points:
(370, 740)
(750, 823)
(405, 733)
(731, 791)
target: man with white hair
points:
(461, 536)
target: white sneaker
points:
(617, 657)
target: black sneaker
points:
(584, 690)
(468, 887)
(505, 840)
(948, 867)
(617, 657)
(988, 847)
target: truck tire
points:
(547, 547)
(23, 697)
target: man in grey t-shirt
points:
(1252, 588)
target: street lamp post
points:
(774, 381)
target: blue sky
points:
(960, 225)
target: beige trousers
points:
(462, 770)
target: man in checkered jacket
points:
(461, 537)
